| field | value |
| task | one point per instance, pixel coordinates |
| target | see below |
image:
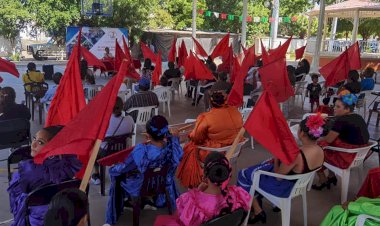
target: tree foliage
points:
(13, 18)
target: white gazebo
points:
(353, 10)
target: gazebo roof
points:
(346, 9)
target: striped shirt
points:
(141, 99)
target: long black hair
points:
(67, 208)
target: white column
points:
(244, 23)
(274, 25)
(324, 33)
(318, 42)
(194, 23)
(333, 33)
(356, 26)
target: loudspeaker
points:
(49, 71)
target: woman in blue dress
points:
(30, 176)
(310, 158)
(161, 149)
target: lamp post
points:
(244, 23)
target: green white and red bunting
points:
(250, 19)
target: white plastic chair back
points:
(143, 116)
(175, 84)
(245, 112)
(92, 91)
(134, 87)
(362, 218)
(227, 149)
(300, 88)
(245, 101)
(301, 185)
(164, 96)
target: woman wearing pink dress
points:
(211, 199)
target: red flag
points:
(221, 47)
(250, 56)
(244, 49)
(278, 53)
(115, 158)
(157, 70)
(235, 98)
(126, 50)
(337, 70)
(119, 56)
(201, 71)
(1, 79)
(9, 67)
(69, 97)
(132, 73)
(91, 59)
(182, 54)
(227, 58)
(189, 67)
(275, 79)
(300, 52)
(264, 54)
(199, 49)
(268, 126)
(173, 51)
(79, 135)
(147, 52)
(235, 69)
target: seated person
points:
(8, 107)
(214, 197)
(367, 82)
(32, 75)
(291, 75)
(107, 54)
(119, 125)
(348, 130)
(148, 69)
(31, 176)
(309, 159)
(352, 84)
(85, 72)
(68, 207)
(52, 89)
(143, 98)
(220, 85)
(163, 82)
(172, 72)
(303, 67)
(127, 178)
(208, 132)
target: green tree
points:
(160, 18)
(13, 18)
(181, 12)
(53, 16)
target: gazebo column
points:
(244, 23)
(274, 25)
(324, 32)
(356, 26)
(317, 49)
(333, 33)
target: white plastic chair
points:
(91, 91)
(362, 101)
(245, 112)
(175, 85)
(300, 188)
(344, 174)
(227, 149)
(362, 218)
(245, 101)
(300, 89)
(199, 93)
(134, 87)
(143, 116)
(164, 97)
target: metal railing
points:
(370, 46)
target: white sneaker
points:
(149, 207)
(95, 181)
(106, 225)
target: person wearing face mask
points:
(31, 176)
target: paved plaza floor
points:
(318, 202)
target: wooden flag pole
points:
(235, 144)
(90, 165)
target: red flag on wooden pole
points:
(264, 54)
(69, 97)
(235, 98)
(87, 128)
(299, 52)
(199, 49)
(91, 59)
(127, 52)
(275, 79)
(267, 125)
(119, 56)
(221, 47)
(173, 51)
